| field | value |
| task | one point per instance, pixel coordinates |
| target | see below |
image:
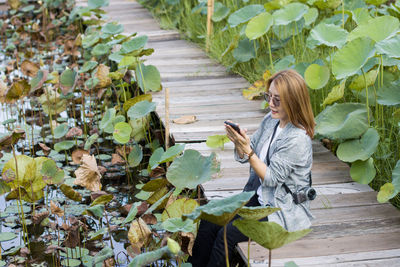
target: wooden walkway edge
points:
(351, 228)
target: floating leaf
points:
(316, 76)
(352, 57)
(378, 29)
(148, 78)
(192, 169)
(335, 94)
(290, 13)
(342, 121)
(88, 175)
(386, 192)
(217, 141)
(329, 35)
(122, 132)
(259, 25)
(270, 235)
(61, 130)
(244, 14)
(363, 172)
(174, 225)
(64, 145)
(141, 109)
(69, 192)
(359, 149)
(6, 236)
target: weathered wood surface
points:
(350, 229)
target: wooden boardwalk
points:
(351, 228)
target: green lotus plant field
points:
(347, 51)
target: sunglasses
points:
(268, 97)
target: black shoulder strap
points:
(272, 138)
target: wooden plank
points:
(204, 82)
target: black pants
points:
(208, 248)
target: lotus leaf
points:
(112, 28)
(37, 81)
(361, 82)
(361, 15)
(127, 62)
(352, 57)
(132, 212)
(70, 262)
(171, 153)
(122, 132)
(329, 35)
(14, 4)
(245, 51)
(154, 185)
(61, 130)
(161, 202)
(88, 66)
(363, 172)
(51, 174)
(148, 78)
(311, 16)
(101, 50)
(69, 192)
(285, 63)
(259, 25)
(102, 74)
(179, 207)
(386, 192)
(135, 156)
(244, 14)
(128, 104)
(144, 259)
(29, 68)
(91, 39)
(192, 169)
(389, 95)
(141, 109)
(51, 102)
(174, 225)
(155, 158)
(17, 91)
(327, 4)
(96, 211)
(98, 234)
(139, 233)
(134, 44)
(68, 81)
(335, 94)
(289, 13)
(102, 200)
(88, 175)
(342, 121)
(94, 4)
(216, 141)
(377, 29)
(64, 145)
(256, 213)
(102, 255)
(139, 127)
(316, 76)
(390, 47)
(220, 12)
(90, 141)
(106, 123)
(270, 235)
(157, 195)
(285, 31)
(6, 236)
(221, 211)
(359, 149)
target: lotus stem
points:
(248, 253)
(226, 247)
(342, 14)
(366, 93)
(270, 54)
(269, 257)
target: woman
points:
(280, 157)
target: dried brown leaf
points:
(88, 175)
(77, 155)
(149, 218)
(46, 149)
(187, 242)
(157, 172)
(139, 232)
(55, 209)
(39, 217)
(73, 132)
(117, 159)
(185, 119)
(101, 73)
(29, 68)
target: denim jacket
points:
(290, 162)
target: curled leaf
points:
(55, 209)
(88, 174)
(69, 192)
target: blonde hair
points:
(295, 99)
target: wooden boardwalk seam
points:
(351, 228)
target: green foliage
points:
(217, 141)
(122, 132)
(316, 76)
(363, 172)
(148, 78)
(61, 130)
(244, 14)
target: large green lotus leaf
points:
(61, 130)
(149, 78)
(311, 16)
(171, 153)
(90, 39)
(134, 44)
(106, 123)
(390, 47)
(256, 213)
(360, 82)
(363, 172)
(270, 235)
(174, 225)
(94, 4)
(101, 50)
(377, 29)
(7, 236)
(220, 12)
(259, 25)
(64, 145)
(68, 80)
(335, 94)
(329, 35)
(179, 207)
(352, 57)
(112, 28)
(386, 192)
(26, 169)
(389, 94)
(316, 76)
(285, 63)
(221, 211)
(192, 169)
(145, 259)
(361, 15)
(141, 109)
(127, 62)
(245, 50)
(122, 132)
(135, 156)
(216, 141)
(88, 66)
(244, 14)
(155, 158)
(285, 31)
(342, 121)
(51, 173)
(290, 13)
(359, 149)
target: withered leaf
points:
(185, 119)
(101, 73)
(74, 132)
(39, 217)
(55, 209)
(149, 218)
(88, 175)
(29, 68)
(187, 242)
(77, 155)
(117, 159)
(139, 233)
(46, 149)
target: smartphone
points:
(234, 126)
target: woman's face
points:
(275, 104)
